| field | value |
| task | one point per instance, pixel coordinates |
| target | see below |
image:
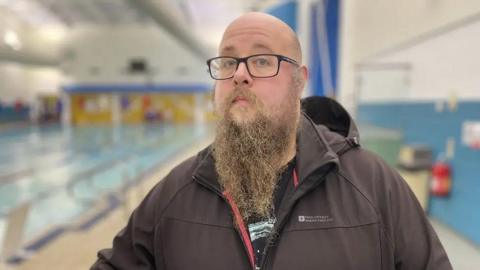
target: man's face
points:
(242, 98)
(258, 116)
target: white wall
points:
(36, 66)
(370, 28)
(21, 76)
(443, 66)
(36, 45)
(382, 25)
(109, 49)
(26, 82)
(380, 83)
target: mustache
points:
(241, 93)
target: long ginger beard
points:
(249, 156)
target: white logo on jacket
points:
(315, 219)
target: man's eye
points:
(229, 63)
(262, 62)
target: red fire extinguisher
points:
(441, 179)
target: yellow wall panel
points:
(91, 109)
(136, 108)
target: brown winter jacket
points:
(349, 211)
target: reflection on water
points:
(64, 170)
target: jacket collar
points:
(313, 152)
(205, 172)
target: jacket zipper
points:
(275, 232)
(273, 236)
(209, 187)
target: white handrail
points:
(14, 231)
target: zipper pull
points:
(271, 241)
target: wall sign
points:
(471, 134)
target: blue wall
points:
(9, 114)
(286, 12)
(422, 124)
(132, 88)
(331, 10)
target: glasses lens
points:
(223, 67)
(263, 65)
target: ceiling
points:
(72, 13)
(202, 20)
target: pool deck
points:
(76, 249)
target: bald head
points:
(273, 34)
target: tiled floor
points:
(463, 254)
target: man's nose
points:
(241, 76)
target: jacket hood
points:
(334, 122)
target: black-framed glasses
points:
(258, 65)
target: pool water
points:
(62, 172)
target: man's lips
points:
(240, 99)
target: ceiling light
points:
(11, 39)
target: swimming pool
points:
(62, 172)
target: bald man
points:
(285, 184)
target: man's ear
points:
(303, 77)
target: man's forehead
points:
(232, 48)
(251, 38)
(242, 34)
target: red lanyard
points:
(295, 178)
(243, 229)
(241, 224)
